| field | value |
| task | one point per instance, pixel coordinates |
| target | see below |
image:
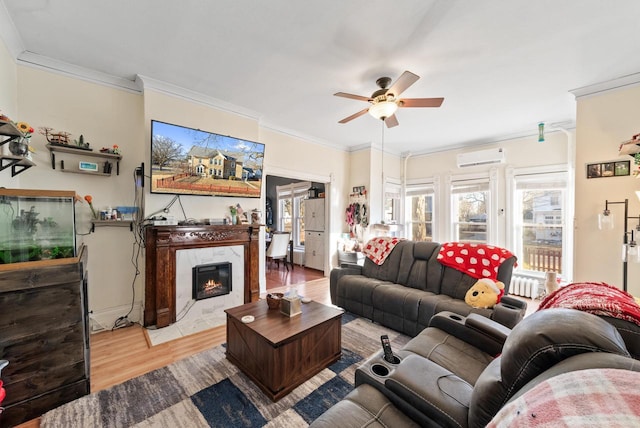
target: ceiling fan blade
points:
(391, 121)
(420, 102)
(407, 79)
(352, 96)
(354, 116)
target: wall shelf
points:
(55, 148)
(111, 223)
(17, 163)
(79, 171)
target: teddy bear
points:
(485, 293)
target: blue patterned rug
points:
(206, 390)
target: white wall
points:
(8, 90)
(105, 116)
(604, 120)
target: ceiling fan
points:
(385, 101)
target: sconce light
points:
(541, 132)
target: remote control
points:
(386, 347)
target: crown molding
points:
(42, 62)
(146, 82)
(295, 134)
(608, 85)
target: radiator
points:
(526, 286)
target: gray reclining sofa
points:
(411, 286)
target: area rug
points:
(206, 390)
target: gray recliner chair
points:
(418, 391)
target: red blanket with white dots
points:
(476, 260)
(597, 298)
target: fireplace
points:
(211, 280)
(162, 243)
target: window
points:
(392, 202)
(419, 202)
(291, 199)
(539, 213)
(469, 208)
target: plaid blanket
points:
(597, 298)
(584, 398)
(476, 260)
(378, 249)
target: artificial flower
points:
(25, 128)
(89, 200)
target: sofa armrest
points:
(431, 389)
(509, 312)
(337, 273)
(474, 329)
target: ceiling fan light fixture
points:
(383, 109)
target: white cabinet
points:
(314, 214)
(314, 250)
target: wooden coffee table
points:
(279, 353)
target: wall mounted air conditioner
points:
(481, 157)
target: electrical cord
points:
(138, 244)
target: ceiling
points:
(501, 65)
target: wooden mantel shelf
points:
(161, 244)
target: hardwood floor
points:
(123, 354)
(280, 276)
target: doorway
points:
(285, 202)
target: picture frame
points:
(609, 169)
(622, 168)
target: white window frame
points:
(541, 174)
(422, 187)
(488, 179)
(393, 194)
(296, 193)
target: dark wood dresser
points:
(44, 334)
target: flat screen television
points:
(188, 161)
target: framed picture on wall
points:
(609, 169)
(593, 170)
(622, 168)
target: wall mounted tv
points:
(188, 161)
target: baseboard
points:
(105, 319)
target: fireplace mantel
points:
(161, 244)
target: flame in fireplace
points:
(211, 285)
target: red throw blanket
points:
(378, 249)
(595, 297)
(476, 260)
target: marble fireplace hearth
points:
(171, 252)
(193, 316)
